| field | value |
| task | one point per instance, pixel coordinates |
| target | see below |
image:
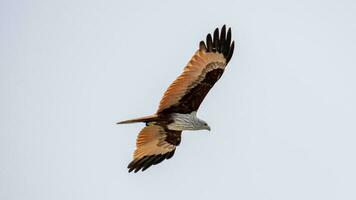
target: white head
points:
(205, 126)
(201, 125)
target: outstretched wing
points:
(154, 144)
(207, 65)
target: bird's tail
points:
(145, 119)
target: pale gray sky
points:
(282, 116)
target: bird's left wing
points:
(207, 65)
(154, 144)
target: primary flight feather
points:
(177, 109)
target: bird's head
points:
(204, 125)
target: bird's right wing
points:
(204, 69)
(154, 144)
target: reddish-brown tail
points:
(149, 118)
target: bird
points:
(177, 110)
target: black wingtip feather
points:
(158, 160)
(202, 46)
(209, 42)
(220, 44)
(222, 38)
(216, 40)
(139, 164)
(147, 161)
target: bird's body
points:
(174, 121)
(178, 107)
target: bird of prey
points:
(177, 110)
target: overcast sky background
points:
(282, 116)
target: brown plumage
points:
(200, 74)
(154, 144)
(157, 141)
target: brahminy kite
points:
(178, 107)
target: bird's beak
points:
(208, 128)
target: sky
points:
(282, 115)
